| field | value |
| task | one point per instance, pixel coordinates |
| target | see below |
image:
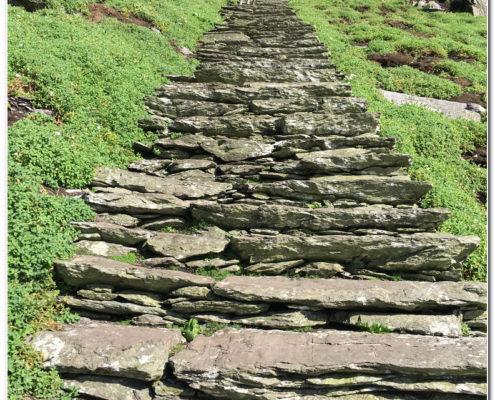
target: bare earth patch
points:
(18, 107)
(98, 11)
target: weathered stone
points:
(419, 251)
(193, 292)
(107, 388)
(437, 325)
(184, 165)
(194, 175)
(160, 223)
(149, 320)
(344, 294)
(125, 220)
(235, 126)
(104, 249)
(229, 150)
(214, 262)
(352, 124)
(320, 269)
(182, 246)
(111, 233)
(362, 188)
(220, 365)
(148, 184)
(225, 37)
(149, 166)
(166, 390)
(348, 160)
(136, 203)
(245, 216)
(85, 270)
(135, 352)
(94, 295)
(162, 262)
(222, 306)
(142, 298)
(273, 268)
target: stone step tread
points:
(139, 353)
(230, 361)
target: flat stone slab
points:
(451, 109)
(362, 188)
(113, 233)
(137, 203)
(152, 184)
(108, 349)
(243, 216)
(416, 252)
(87, 270)
(232, 360)
(103, 387)
(341, 294)
(229, 150)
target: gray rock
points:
(137, 203)
(118, 219)
(221, 306)
(213, 262)
(165, 390)
(341, 294)
(86, 270)
(419, 251)
(184, 165)
(149, 166)
(229, 150)
(149, 320)
(104, 249)
(107, 388)
(140, 297)
(194, 175)
(352, 124)
(148, 184)
(193, 292)
(437, 325)
(181, 247)
(111, 233)
(96, 295)
(160, 223)
(320, 269)
(244, 216)
(134, 352)
(273, 268)
(362, 188)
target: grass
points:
(373, 328)
(93, 76)
(434, 142)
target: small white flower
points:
(51, 92)
(21, 44)
(17, 75)
(98, 127)
(57, 133)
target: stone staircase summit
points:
(271, 207)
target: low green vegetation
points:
(130, 258)
(466, 330)
(314, 205)
(192, 328)
(373, 328)
(435, 143)
(93, 77)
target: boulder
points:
(104, 249)
(138, 353)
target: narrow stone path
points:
(268, 173)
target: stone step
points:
(144, 183)
(294, 64)
(246, 125)
(245, 216)
(138, 353)
(253, 91)
(218, 54)
(324, 364)
(426, 253)
(367, 189)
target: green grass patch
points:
(130, 258)
(373, 328)
(94, 77)
(434, 142)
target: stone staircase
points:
(268, 173)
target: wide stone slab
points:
(220, 365)
(362, 188)
(416, 252)
(137, 203)
(106, 388)
(182, 247)
(115, 177)
(243, 216)
(86, 270)
(113, 233)
(101, 248)
(229, 150)
(340, 294)
(108, 349)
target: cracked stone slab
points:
(107, 388)
(341, 294)
(152, 184)
(229, 150)
(108, 349)
(104, 249)
(86, 270)
(113, 233)
(419, 251)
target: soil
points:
(61, 191)
(477, 156)
(18, 107)
(98, 11)
(399, 24)
(461, 81)
(456, 56)
(469, 97)
(426, 63)
(185, 52)
(481, 197)
(319, 7)
(384, 10)
(362, 9)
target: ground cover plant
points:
(448, 55)
(93, 77)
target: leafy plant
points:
(191, 329)
(175, 135)
(130, 258)
(466, 330)
(314, 205)
(373, 328)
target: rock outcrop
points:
(268, 173)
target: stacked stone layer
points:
(267, 166)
